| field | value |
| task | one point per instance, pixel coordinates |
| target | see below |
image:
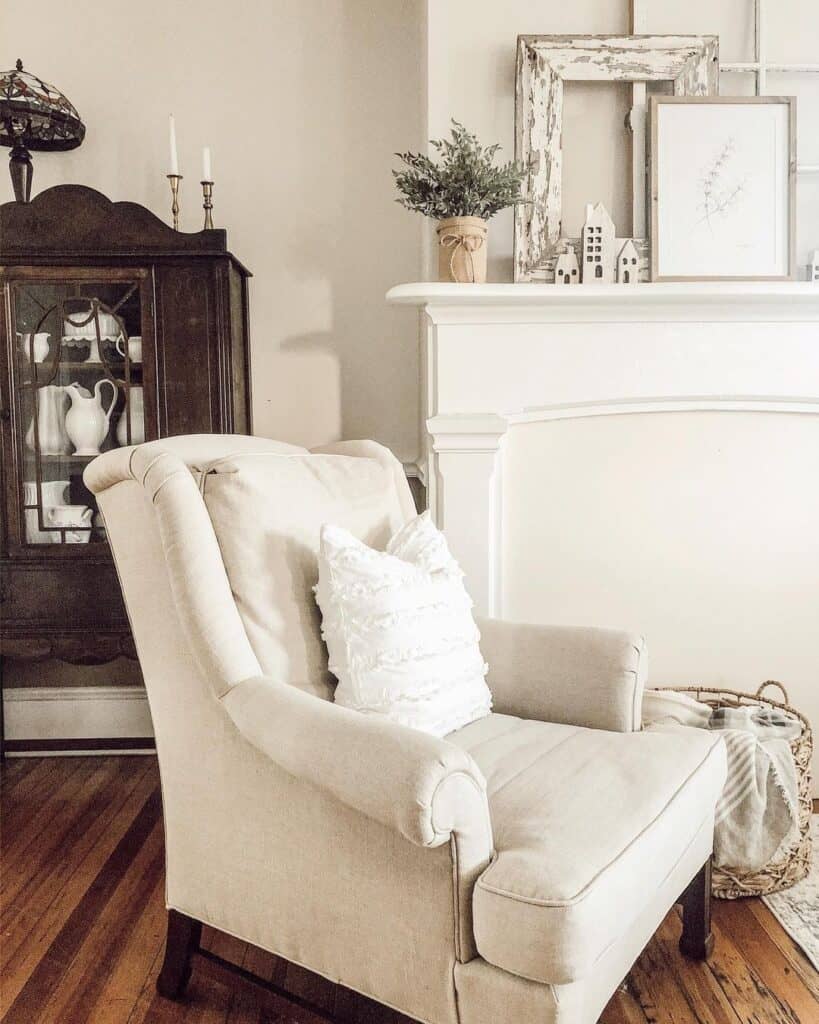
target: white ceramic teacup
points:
(134, 348)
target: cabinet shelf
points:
(97, 367)
(50, 460)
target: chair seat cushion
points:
(587, 824)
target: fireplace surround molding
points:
(498, 355)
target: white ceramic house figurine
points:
(627, 263)
(598, 246)
(813, 266)
(567, 269)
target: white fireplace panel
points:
(698, 530)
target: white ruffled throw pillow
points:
(399, 629)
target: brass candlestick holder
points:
(207, 202)
(174, 179)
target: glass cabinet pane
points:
(79, 392)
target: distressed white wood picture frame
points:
(723, 188)
(544, 63)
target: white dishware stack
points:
(136, 410)
(54, 492)
(36, 344)
(51, 433)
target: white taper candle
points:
(172, 138)
(206, 171)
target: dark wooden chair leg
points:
(697, 939)
(182, 942)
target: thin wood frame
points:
(544, 63)
(657, 101)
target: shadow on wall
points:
(311, 386)
(336, 361)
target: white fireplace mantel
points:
(495, 355)
(549, 303)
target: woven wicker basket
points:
(794, 864)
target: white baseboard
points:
(76, 713)
(416, 471)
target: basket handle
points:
(773, 682)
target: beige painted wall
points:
(303, 103)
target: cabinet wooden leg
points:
(184, 934)
(2, 714)
(697, 940)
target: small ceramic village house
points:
(567, 269)
(627, 264)
(598, 246)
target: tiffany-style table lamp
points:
(33, 115)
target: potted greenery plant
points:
(461, 191)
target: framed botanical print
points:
(723, 194)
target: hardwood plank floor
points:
(82, 927)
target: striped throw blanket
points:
(757, 812)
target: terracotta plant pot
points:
(462, 250)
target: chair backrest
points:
(239, 519)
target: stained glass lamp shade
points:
(33, 115)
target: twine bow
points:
(469, 244)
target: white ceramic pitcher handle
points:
(110, 409)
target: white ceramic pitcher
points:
(51, 414)
(86, 422)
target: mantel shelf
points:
(707, 301)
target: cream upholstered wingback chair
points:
(511, 871)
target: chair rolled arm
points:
(423, 787)
(576, 675)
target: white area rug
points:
(797, 908)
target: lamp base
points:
(22, 172)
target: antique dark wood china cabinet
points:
(114, 328)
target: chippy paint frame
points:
(544, 63)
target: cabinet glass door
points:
(79, 390)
